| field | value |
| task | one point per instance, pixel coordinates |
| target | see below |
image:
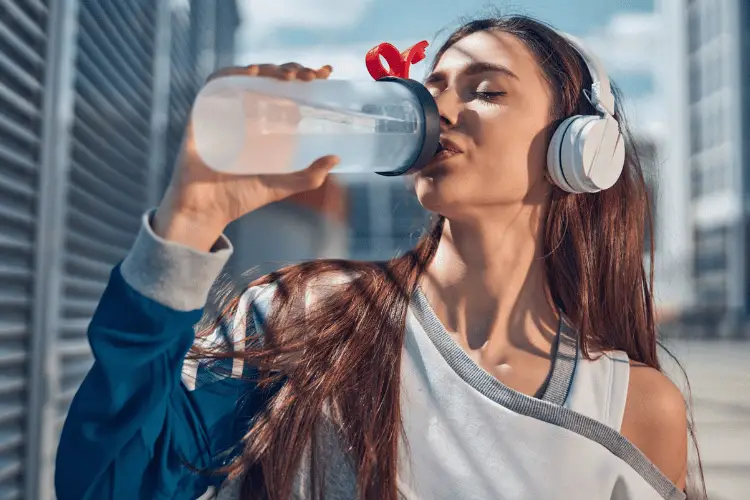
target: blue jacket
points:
(133, 425)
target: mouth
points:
(447, 149)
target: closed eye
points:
(488, 96)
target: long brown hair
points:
(344, 354)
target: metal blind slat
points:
(127, 14)
(18, 218)
(111, 213)
(13, 189)
(135, 55)
(39, 7)
(20, 246)
(83, 286)
(92, 221)
(20, 45)
(11, 68)
(19, 132)
(18, 101)
(122, 80)
(123, 75)
(125, 141)
(12, 158)
(83, 266)
(113, 104)
(85, 156)
(12, 329)
(101, 251)
(32, 27)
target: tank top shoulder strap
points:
(619, 388)
(599, 387)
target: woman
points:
(512, 354)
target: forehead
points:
(493, 47)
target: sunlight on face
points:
(495, 109)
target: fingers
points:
(323, 164)
(312, 177)
(287, 71)
(324, 72)
(230, 71)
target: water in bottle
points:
(253, 125)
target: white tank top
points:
(467, 436)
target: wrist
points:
(197, 231)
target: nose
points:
(449, 107)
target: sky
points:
(340, 32)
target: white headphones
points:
(587, 152)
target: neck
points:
(487, 280)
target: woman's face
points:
(495, 108)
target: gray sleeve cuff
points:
(172, 274)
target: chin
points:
(441, 195)
(458, 196)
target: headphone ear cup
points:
(580, 148)
(554, 155)
(586, 154)
(602, 152)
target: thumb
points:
(307, 179)
(317, 172)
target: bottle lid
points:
(399, 64)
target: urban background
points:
(94, 96)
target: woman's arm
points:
(140, 415)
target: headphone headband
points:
(601, 91)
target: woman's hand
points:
(200, 202)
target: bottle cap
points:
(398, 63)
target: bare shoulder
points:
(655, 421)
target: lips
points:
(446, 149)
(449, 146)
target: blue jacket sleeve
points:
(137, 424)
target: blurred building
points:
(307, 226)
(385, 218)
(719, 133)
(706, 82)
(94, 96)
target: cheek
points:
(512, 146)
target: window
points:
(710, 266)
(695, 180)
(695, 132)
(694, 83)
(693, 32)
(719, 125)
(705, 80)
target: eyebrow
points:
(473, 69)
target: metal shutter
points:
(84, 133)
(23, 44)
(109, 159)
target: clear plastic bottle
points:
(258, 125)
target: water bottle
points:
(257, 125)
